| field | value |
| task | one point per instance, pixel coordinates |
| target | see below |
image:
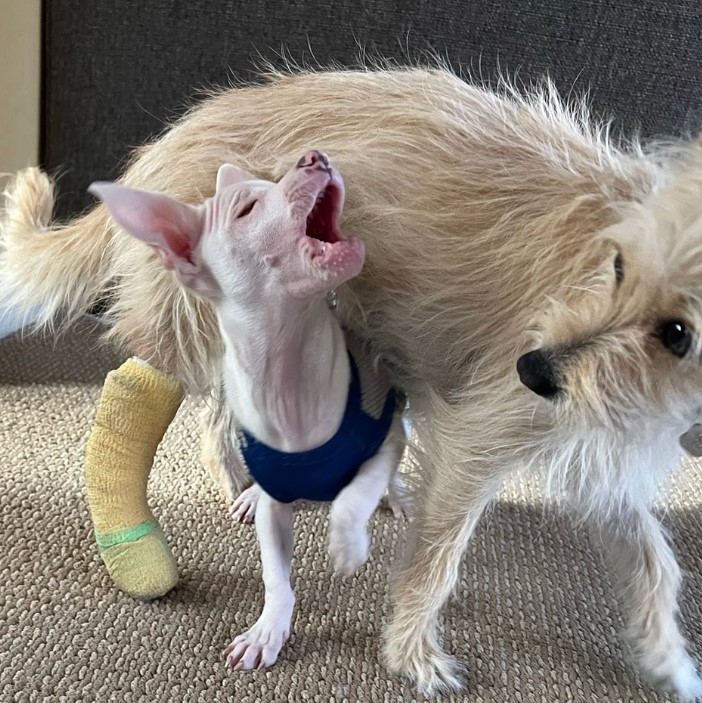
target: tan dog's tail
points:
(47, 271)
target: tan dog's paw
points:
(409, 654)
(676, 673)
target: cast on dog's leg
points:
(445, 521)
(258, 647)
(647, 578)
(137, 405)
(352, 508)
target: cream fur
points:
(491, 222)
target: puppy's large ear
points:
(229, 174)
(171, 228)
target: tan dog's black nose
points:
(537, 373)
(314, 159)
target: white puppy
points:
(317, 421)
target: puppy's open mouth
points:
(329, 251)
(323, 220)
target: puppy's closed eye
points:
(246, 210)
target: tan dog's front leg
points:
(647, 578)
(444, 523)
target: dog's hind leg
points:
(450, 505)
(647, 578)
(137, 405)
(219, 452)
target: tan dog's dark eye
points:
(247, 210)
(619, 268)
(675, 337)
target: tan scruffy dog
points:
(536, 290)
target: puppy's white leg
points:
(353, 507)
(398, 499)
(446, 518)
(244, 507)
(259, 647)
(647, 578)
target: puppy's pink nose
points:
(314, 159)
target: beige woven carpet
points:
(534, 618)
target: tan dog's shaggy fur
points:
(492, 224)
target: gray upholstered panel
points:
(115, 71)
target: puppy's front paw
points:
(244, 507)
(257, 648)
(348, 548)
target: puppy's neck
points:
(286, 371)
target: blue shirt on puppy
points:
(320, 474)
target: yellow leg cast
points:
(137, 405)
